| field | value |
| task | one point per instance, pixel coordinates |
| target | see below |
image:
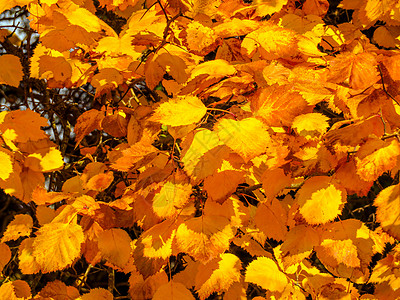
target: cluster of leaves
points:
(228, 149)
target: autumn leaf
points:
(204, 237)
(180, 111)
(388, 212)
(6, 164)
(173, 290)
(218, 275)
(17, 289)
(87, 122)
(264, 272)
(57, 288)
(278, 105)
(17, 121)
(271, 219)
(114, 245)
(359, 70)
(320, 200)
(20, 226)
(10, 62)
(98, 293)
(5, 255)
(248, 137)
(57, 245)
(376, 157)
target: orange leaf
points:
(204, 237)
(11, 70)
(174, 291)
(278, 105)
(271, 219)
(140, 289)
(195, 147)
(57, 245)
(222, 184)
(100, 182)
(16, 122)
(114, 245)
(171, 198)
(98, 293)
(298, 244)
(359, 70)
(57, 289)
(180, 111)
(218, 275)
(346, 249)
(320, 199)
(264, 272)
(15, 290)
(27, 262)
(87, 122)
(20, 226)
(154, 247)
(5, 255)
(376, 157)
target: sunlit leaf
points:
(57, 245)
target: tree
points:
(199, 149)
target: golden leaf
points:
(204, 237)
(248, 137)
(264, 272)
(57, 245)
(180, 111)
(388, 210)
(224, 272)
(320, 199)
(6, 164)
(20, 226)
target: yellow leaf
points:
(57, 245)
(20, 226)
(388, 210)
(376, 157)
(310, 125)
(27, 262)
(6, 164)
(248, 137)
(114, 245)
(227, 272)
(171, 198)
(203, 141)
(204, 237)
(320, 200)
(4, 5)
(181, 111)
(271, 41)
(11, 70)
(264, 272)
(15, 290)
